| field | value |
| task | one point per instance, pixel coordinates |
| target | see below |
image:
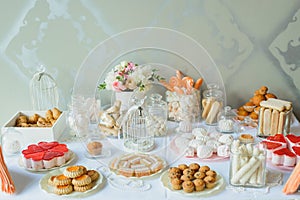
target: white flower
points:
(124, 64)
(130, 83)
(110, 78)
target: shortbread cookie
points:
(82, 180)
(51, 181)
(74, 171)
(83, 188)
(63, 189)
(93, 174)
(61, 180)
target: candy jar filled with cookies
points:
(11, 141)
(247, 165)
(158, 109)
(226, 121)
(274, 117)
(212, 103)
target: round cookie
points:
(82, 180)
(63, 189)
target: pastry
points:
(270, 95)
(73, 171)
(83, 188)
(56, 113)
(93, 174)
(94, 148)
(211, 173)
(61, 180)
(199, 184)
(188, 172)
(188, 186)
(81, 180)
(249, 106)
(187, 177)
(182, 167)
(51, 181)
(194, 166)
(63, 189)
(246, 138)
(204, 169)
(257, 99)
(209, 182)
(176, 183)
(199, 175)
(263, 90)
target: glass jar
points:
(272, 121)
(212, 103)
(226, 120)
(158, 110)
(11, 141)
(247, 165)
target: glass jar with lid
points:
(158, 109)
(226, 120)
(11, 141)
(212, 103)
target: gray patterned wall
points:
(253, 43)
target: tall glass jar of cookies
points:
(212, 103)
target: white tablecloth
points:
(27, 182)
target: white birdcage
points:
(43, 90)
(137, 130)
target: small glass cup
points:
(12, 142)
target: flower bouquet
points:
(127, 76)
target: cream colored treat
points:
(267, 121)
(274, 122)
(276, 104)
(73, 171)
(63, 189)
(94, 148)
(281, 122)
(212, 115)
(82, 180)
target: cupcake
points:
(199, 184)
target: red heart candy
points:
(33, 148)
(47, 145)
(271, 145)
(293, 138)
(296, 150)
(284, 151)
(36, 156)
(277, 138)
(60, 148)
(52, 154)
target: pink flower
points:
(118, 86)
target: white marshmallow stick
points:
(249, 173)
(244, 170)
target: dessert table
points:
(27, 182)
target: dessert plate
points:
(49, 189)
(220, 185)
(21, 164)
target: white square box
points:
(33, 135)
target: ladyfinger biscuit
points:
(274, 122)
(207, 107)
(212, 115)
(281, 122)
(261, 120)
(273, 105)
(277, 104)
(267, 121)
